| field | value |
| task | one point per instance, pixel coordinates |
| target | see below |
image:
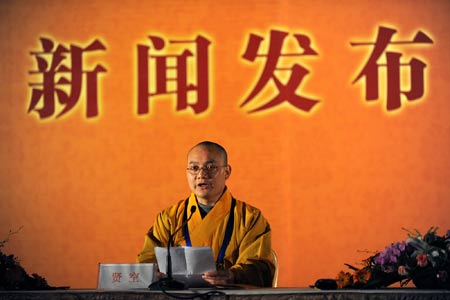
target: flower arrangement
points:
(14, 277)
(423, 259)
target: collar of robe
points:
(221, 207)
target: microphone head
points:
(193, 209)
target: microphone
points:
(168, 283)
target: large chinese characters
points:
(286, 91)
(393, 67)
(179, 62)
(181, 68)
(61, 71)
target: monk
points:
(238, 233)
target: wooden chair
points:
(275, 275)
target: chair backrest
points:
(275, 275)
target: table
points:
(233, 294)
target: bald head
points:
(211, 146)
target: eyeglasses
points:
(210, 169)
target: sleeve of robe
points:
(254, 265)
(157, 235)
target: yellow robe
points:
(249, 253)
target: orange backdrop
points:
(345, 177)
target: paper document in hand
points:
(186, 260)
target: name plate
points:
(125, 276)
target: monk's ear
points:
(227, 171)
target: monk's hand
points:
(159, 275)
(219, 277)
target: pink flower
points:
(402, 271)
(422, 260)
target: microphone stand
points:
(168, 283)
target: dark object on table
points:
(326, 284)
